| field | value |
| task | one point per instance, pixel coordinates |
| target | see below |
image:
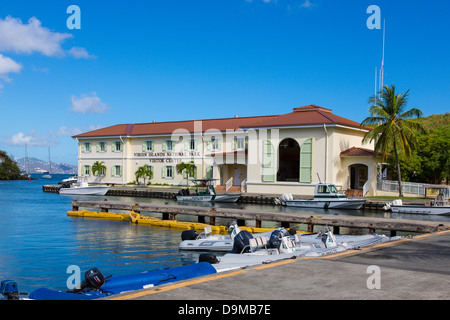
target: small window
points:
(192, 144)
(147, 146)
(86, 171)
(168, 145)
(214, 143)
(101, 146)
(167, 172)
(86, 147)
(117, 146)
(239, 143)
(116, 171)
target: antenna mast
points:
(382, 60)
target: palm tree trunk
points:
(400, 191)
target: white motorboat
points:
(326, 196)
(440, 206)
(191, 241)
(84, 189)
(249, 251)
(205, 192)
(72, 179)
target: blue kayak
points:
(120, 284)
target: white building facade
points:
(277, 154)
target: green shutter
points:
(268, 163)
(113, 171)
(163, 172)
(306, 161)
(209, 172)
(235, 143)
(144, 146)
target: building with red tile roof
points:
(290, 151)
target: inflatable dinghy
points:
(96, 286)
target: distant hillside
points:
(39, 166)
(436, 120)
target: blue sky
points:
(138, 61)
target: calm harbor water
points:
(38, 241)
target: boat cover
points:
(119, 284)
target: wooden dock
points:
(170, 194)
(169, 212)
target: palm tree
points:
(189, 168)
(393, 127)
(143, 172)
(99, 167)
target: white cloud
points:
(18, 37)
(8, 65)
(65, 131)
(88, 104)
(31, 139)
(31, 37)
(80, 53)
(306, 4)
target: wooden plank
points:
(284, 217)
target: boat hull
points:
(91, 190)
(352, 204)
(445, 210)
(230, 198)
(196, 198)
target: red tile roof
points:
(302, 116)
(357, 152)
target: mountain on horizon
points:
(40, 166)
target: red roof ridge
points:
(312, 107)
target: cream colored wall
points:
(328, 143)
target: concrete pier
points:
(410, 269)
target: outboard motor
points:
(234, 229)
(328, 239)
(276, 238)
(189, 235)
(241, 242)
(10, 290)
(93, 280)
(208, 257)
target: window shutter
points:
(209, 172)
(163, 172)
(113, 146)
(144, 146)
(83, 147)
(113, 171)
(268, 170)
(306, 161)
(219, 144)
(235, 143)
(164, 145)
